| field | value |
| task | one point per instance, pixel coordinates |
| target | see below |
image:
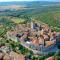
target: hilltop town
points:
(36, 37)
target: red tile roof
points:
(1, 55)
(17, 56)
(48, 43)
(50, 58)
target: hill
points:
(46, 12)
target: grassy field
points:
(50, 18)
(18, 20)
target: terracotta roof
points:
(41, 40)
(50, 58)
(38, 41)
(17, 56)
(35, 41)
(57, 33)
(45, 27)
(46, 37)
(1, 55)
(48, 43)
(42, 32)
(6, 57)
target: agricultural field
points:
(18, 20)
(50, 18)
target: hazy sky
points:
(28, 0)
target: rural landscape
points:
(30, 30)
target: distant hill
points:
(26, 3)
(46, 12)
(17, 7)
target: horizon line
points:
(29, 1)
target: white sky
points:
(28, 0)
(17, 0)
